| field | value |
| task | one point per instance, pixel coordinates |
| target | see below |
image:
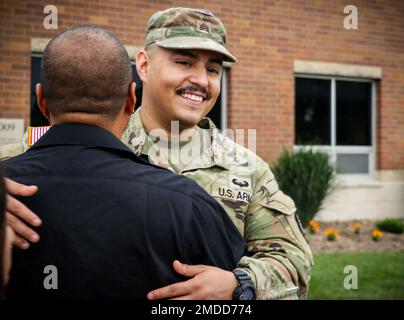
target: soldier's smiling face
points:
(182, 84)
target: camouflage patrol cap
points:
(186, 28)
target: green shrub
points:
(391, 225)
(305, 176)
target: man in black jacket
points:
(112, 224)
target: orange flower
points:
(331, 234)
(377, 234)
(314, 227)
(356, 228)
(329, 231)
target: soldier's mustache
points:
(194, 89)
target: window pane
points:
(37, 119)
(216, 113)
(312, 111)
(354, 113)
(352, 163)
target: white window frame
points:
(332, 150)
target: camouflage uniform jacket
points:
(280, 260)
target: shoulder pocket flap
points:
(279, 202)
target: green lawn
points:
(380, 276)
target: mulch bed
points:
(349, 242)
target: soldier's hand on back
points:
(206, 283)
(18, 216)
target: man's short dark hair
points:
(85, 69)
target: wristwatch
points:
(245, 289)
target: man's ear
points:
(142, 64)
(131, 99)
(41, 101)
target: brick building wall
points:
(266, 36)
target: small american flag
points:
(35, 133)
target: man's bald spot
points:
(86, 70)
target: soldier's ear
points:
(131, 99)
(41, 101)
(142, 64)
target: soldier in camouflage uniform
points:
(279, 260)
